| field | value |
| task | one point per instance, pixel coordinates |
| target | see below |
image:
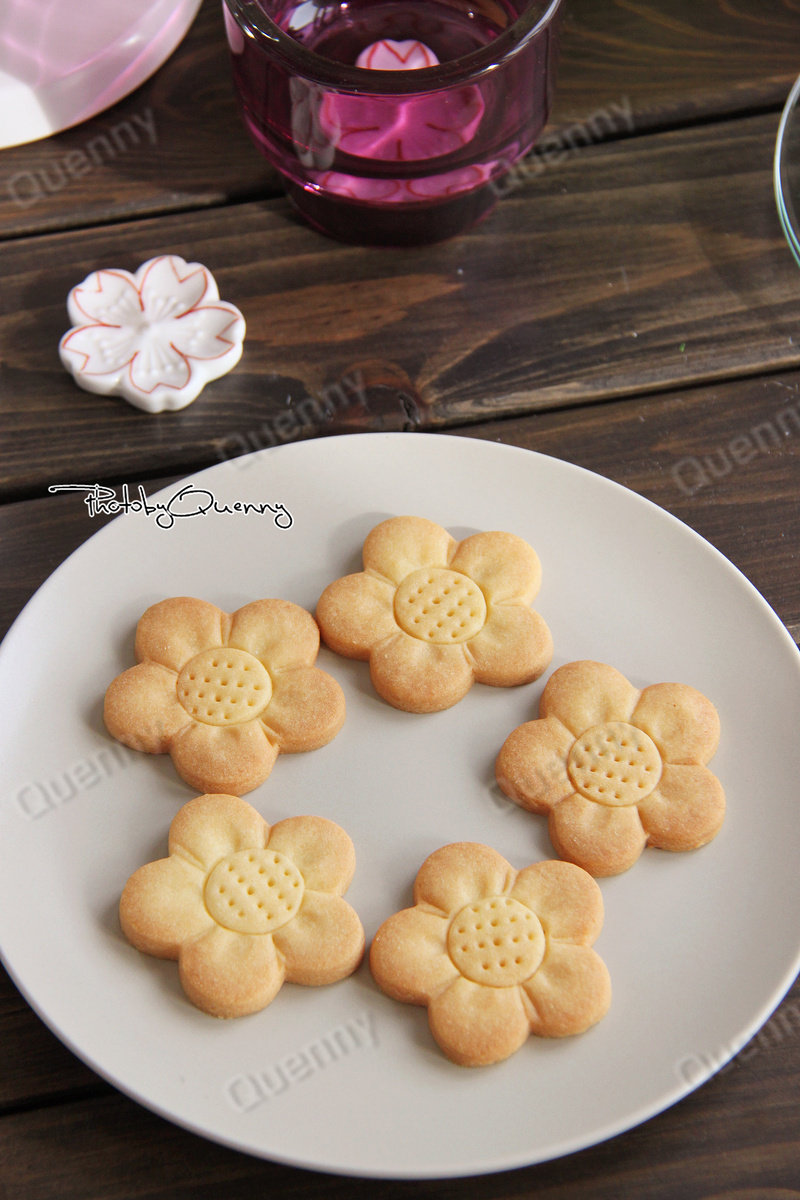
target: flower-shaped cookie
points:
(156, 338)
(224, 694)
(495, 954)
(244, 906)
(616, 768)
(432, 615)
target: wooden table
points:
(631, 306)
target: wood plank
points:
(37, 1066)
(675, 60)
(737, 1132)
(36, 536)
(637, 266)
(625, 67)
(724, 459)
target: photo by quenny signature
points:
(189, 501)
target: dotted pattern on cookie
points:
(439, 605)
(498, 941)
(254, 891)
(224, 687)
(614, 764)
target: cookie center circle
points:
(254, 891)
(498, 941)
(614, 764)
(224, 687)
(438, 605)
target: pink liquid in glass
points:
(415, 158)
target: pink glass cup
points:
(394, 121)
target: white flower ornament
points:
(155, 338)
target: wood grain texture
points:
(680, 61)
(626, 66)
(737, 1132)
(725, 459)
(633, 267)
(40, 1068)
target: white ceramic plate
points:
(61, 64)
(701, 947)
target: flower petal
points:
(570, 991)
(355, 613)
(682, 722)
(323, 943)
(99, 350)
(231, 974)
(216, 758)
(401, 545)
(156, 364)
(686, 810)
(531, 767)
(306, 711)
(459, 873)
(514, 647)
(141, 708)
(210, 827)
(476, 1025)
(106, 297)
(505, 567)
(582, 694)
(209, 332)
(170, 286)
(565, 898)
(408, 957)
(419, 677)
(162, 906)
(320, 849)
(601, 839)
(278, 633)
(173, 631)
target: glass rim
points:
(527, 28)
(781, 165)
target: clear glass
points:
(787, 170)
(393, 121)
